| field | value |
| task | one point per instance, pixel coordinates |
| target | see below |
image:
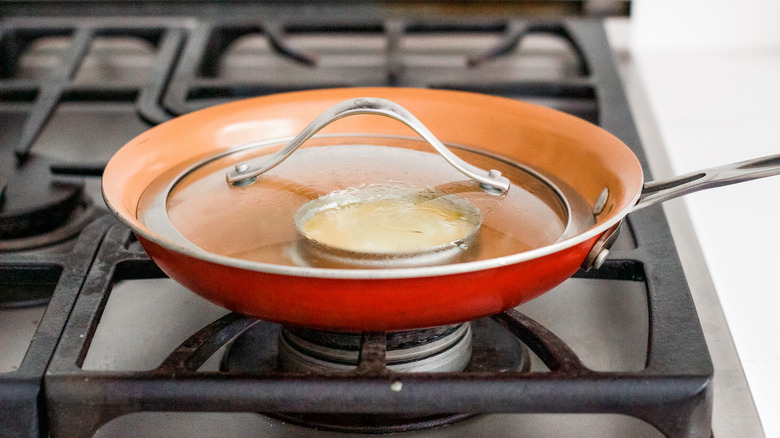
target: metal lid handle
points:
(245, 173)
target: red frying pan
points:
(221, 200)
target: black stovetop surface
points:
(54, 83)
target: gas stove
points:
(102, 343)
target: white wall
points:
(705, 24)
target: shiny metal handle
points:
(245, 173)
(655, 192)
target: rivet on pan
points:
(600, 258)
(243, 167)
(601, 201)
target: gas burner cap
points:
(38, 210)
(446, 348)
(491, 348)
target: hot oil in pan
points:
(256, 222)
(388, 220)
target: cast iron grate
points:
(183, 71)
(21, 394)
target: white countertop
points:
(715, 105)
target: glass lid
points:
(358, 201)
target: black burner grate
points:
(21, 393)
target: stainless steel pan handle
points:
(655, 192)
(244, 173)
